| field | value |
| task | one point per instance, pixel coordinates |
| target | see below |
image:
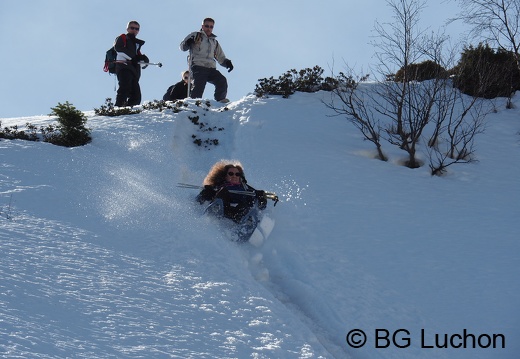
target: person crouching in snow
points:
(179, 91)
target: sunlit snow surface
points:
(103, 256)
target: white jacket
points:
(205, 51)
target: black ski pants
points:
(129, 91)
(202, 75)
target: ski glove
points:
(207, 194)
(262, 199)
(138, 58)
(144, 59)
(190, 41)
(228, 65)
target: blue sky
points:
(54, 49)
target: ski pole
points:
(158, 64)
(189, 73)
(268, 195)
(245, 193)
(273, 197)
(190, 186)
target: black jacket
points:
(179, 91)
(131, 50)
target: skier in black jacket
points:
(128, 69)
(224, 178)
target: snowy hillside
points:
(103, 256)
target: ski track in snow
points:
(195, 166)
(264, 263)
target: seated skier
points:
(178, 91)
(224, 179)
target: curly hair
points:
(217, 174)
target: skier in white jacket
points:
(205, 51)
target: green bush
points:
(30, 133)
(306, 80)
(12, 132)
(71, 126)
(484, 72)
(426, 70)
(108, 109)
(282, 86)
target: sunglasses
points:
(208, 26)
(186, 77)
(134, 28)
(231, 174)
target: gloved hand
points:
(190, 41)
(262, 199)
(207, 194)
(143, 58)
(228, 65)
(137, 58)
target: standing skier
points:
(204, 52)
(128, 69)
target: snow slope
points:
(103, 256)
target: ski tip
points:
(257, 238)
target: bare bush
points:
(355, 104)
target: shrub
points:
(423, 71)
(108, 109)
(306, 80)
(161, 105)
(30, 134)
(283, 86)
(484, 72)
(71, 126)
(12, 133)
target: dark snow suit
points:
(128, 70)
(235, 205)
(179, 91)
